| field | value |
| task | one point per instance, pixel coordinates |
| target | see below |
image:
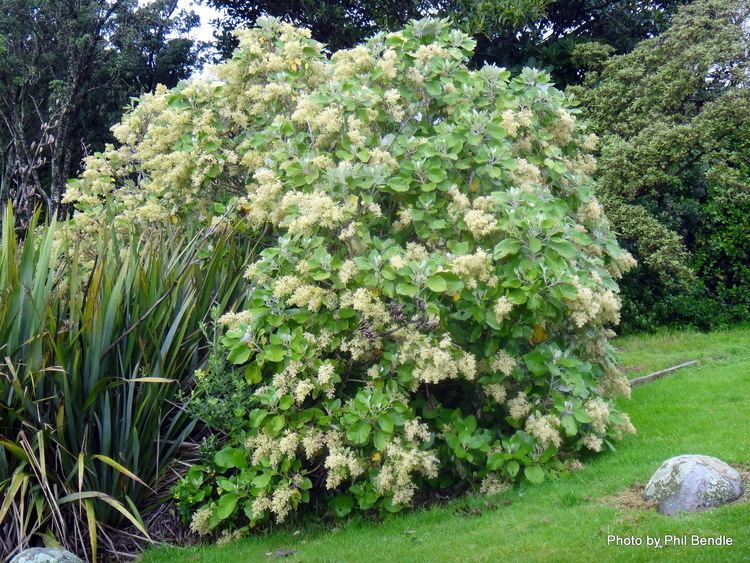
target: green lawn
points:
(645, 354)
(703, 409)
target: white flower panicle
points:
(544, 430)
(474, 269)
(502, 309)
(519, 407)
(503, 363)
(401, 462)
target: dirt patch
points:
(632, 497)
(744, 471)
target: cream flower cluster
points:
(598, 410)
(502, 309)
(562, 128)
(614, 384)
(200, 522)
(593, 442)
(504, 363)
(416, 431)
(591, 211)
(480, 223)
(434, 364)
(544, 430)
(514, 120)
(475, 268)
(280, 503)
(497, 392)
(342, 464)
(295, 379)
(401, 461)
(492, 485)
(264, 446)
(598, 304)
(519, 406)
(310, 212)
(370, 306)
(526, 175)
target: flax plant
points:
(92, 359)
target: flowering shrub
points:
(429, 306)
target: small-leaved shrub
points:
(429, 305)
(674, 120)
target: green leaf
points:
(518, 296)
(581, 416)
(91, 520)
(359, 432)
(385, 421)
(534, 473)
(274, 354)
(434, 88)
(507, 247)
(256, 417)
(436, 175)
(406, 289)
(114, 503)
(513, 467)
(240, 354)
(119, 467)
(225, 506)
(253, 374)
(228, 458)
(399, 184)
(562, 247)
(286, 402)
(535, 362)
(275, 424)
(495, 461)
(19, 478)
(390, 506)
(569, 425)
(381, 440)
(616, 418)
(437, 283)
(341, 505)
(262, 480)
(177, 101)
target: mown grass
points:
(703, 409)
(645, 354)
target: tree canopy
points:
(509, 33)
(67, 69)
(674, 117)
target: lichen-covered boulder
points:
(689, 483)
(45, 555)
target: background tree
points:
(673, 171)
(510, 33)
(549, 40)
(66, 71)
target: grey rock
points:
(45, 555)
(689, 483)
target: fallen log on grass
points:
(661, 373)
